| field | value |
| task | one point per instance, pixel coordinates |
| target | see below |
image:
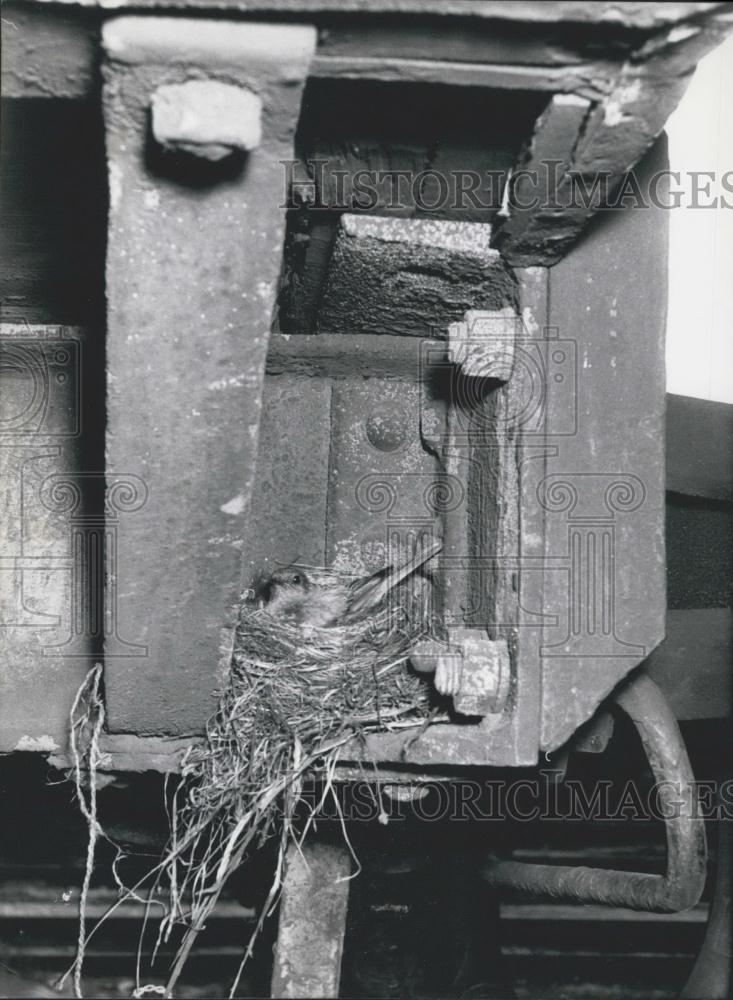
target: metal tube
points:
(682, 885)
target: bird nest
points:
(295, 696)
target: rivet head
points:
(386, 428)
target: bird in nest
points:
(311, 597)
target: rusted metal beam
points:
(193, 260)
(312, 921)
(630, 15)
(602, 494)
(51, 52)
(579, 142)
(535, 231)
(585, 78)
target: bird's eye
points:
(296, 579)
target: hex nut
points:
(482, 344)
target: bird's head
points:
(287, 580)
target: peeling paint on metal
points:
(234, 506)
(614, 113)
(38, 743)
(115, 186)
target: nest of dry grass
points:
(294, 697)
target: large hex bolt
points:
(482, 344)
(206, 118)
(472, 669)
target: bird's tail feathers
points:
(372, 592)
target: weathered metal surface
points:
(287, 520)
(192, 264)
(699, 450)
(120, 752)
(593, 736)
(587, 79)
(410, 277)
(44, 658)
(337, 355)
(467, 42)
(699, 535)
(643, 16)
(490, 515)
(312, 921)
(693, 664)
(535, 361)
(381, 480)
(603, 491)
(49, 51)
(534, 192)
(601, 141)
(681, 886)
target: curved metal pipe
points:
(682, 885)
(711, 974)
